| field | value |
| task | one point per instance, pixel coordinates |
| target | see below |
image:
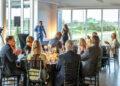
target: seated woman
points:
(90, 57)
(113, 45)
(36, 55)
(81, 46)
(27, 48)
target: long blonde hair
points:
(82, 42)
(36, 47)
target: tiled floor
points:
(110, 77)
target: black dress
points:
(65, 36)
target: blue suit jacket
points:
(41, 30)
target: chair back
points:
(35, 65)
(98, 65)
(35, 62)
(71, 73)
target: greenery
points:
(93, 25)
(15, 31)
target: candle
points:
(54, 49)
(45, 47)
(49, 45)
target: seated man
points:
(70, 57)
(91, 57)
(55, 42)
(8, 54)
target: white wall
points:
(47, 13)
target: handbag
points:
(43, 75)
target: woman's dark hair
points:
(8, 38)
(66, 26)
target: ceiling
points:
(85, 3)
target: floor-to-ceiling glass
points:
(15, 28)
(26, 16)
(94, 21)
(110, 23)
(102, 21)
(66, 18)
(78, 24)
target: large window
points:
(94, 21)
(14, 9)
(110, 23)
(26, 16)
(84, 22)
(66, 18)
(78, 26)
(15, 29)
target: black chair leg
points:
(18, 81)
(95, 81)
(98, 80)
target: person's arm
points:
(44, 61)
(62, 32)
(36, 29)
(78, 51)
(44, 31)
(58, 65)
(85, 55)
(69, 34)
(10, 56)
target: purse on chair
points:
(43, 75)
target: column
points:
(35, 21)
(22, 16)
(59, 20)
(119, 23)
(71, 22)
(101, 26)
(86, 22)
(9, 16)
(31, 30)
(2, 19)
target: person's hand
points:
(13, 50)
(45, 36)
(18, 66)
(39, 32)
(106, 42)
(18, 52)
(88, 37)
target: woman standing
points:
(113, 45)
(65, 34)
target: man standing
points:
(40, 30)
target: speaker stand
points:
(2, 38)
